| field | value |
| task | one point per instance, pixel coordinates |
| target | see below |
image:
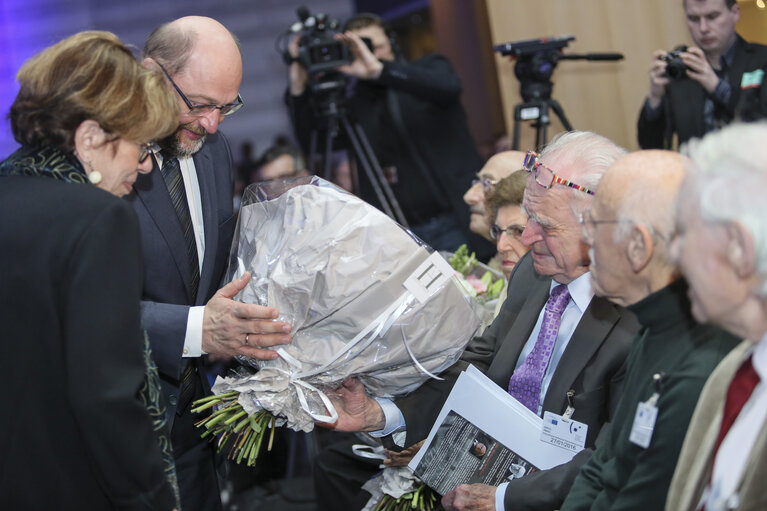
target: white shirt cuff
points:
(394, 418)
(193, 339)
(500, 493)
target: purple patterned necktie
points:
(525, 383)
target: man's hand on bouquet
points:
(470, 497)
(357, 411)
(403, 457)
(233, 328)
(365, 65)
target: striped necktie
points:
(171, 172)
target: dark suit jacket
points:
(73, 432)
(166, 296)
(592, 366)
(682, 106)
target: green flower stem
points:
(230, 421)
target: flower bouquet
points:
(482, 282)
(365, 298)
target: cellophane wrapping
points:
(334, 268)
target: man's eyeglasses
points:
(486, 182)
(146, 150)
(200, 110)
(513, 231)
(589, 225)
(546, 177)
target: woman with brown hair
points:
(76, 433)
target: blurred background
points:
(601, 96)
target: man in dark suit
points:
(721, 80)
(187, 224)
(412, 117)
(589, 348)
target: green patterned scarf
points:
(44, 161)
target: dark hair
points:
(364, 20)
(729, 3)
(509, 191)
(90, 75)
(279, 150)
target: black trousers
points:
(196, 462)
(339, 475)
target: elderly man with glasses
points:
(553, 344)
(187, 224)
(628, 228)
(496, 168)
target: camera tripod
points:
(538, 109)
(332, 109)
(534, 72)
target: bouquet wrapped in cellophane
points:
(364, 296)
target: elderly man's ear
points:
(741, 252)
(639, 248)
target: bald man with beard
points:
(628, 229)
(185, 213)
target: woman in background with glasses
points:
(77, 433)
(507, 221)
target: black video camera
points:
(318, 50)
(675, 68)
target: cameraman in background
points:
(412, 115)
(702, 88)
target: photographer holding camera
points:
(702, 88)
(412, 116)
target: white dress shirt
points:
(737, 445)
(193, 338)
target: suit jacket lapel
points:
(210, 220)
(151, 190)
(597, 321)
(518, 332)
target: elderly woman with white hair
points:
(722, 248)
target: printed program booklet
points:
(483, 435)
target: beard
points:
(179, 146)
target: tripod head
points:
(536, 60)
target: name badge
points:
(563, 432)
(752, 80)
(644, 424)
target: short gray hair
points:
(730, 181)
(593, 152)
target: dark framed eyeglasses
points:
(486, 182)
(546, 177)
(513, 231)
(199, 110)
(146, 150)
